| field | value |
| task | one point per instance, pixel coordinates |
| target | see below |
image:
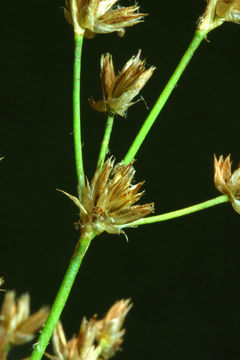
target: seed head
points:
(17, 326)
(97, 17)
(96, 338)
(226, 181)
(110, 328)
(119, 91)
(78, 347)
(219, 11)
(107, 202)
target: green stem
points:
(174, 214)
(76, 112)
(62, 295)
(106, 138)
(196, 41)
(7, 350)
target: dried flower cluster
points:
(17, 326)
(96, 338)
(118, 91)
(110, 328)
(107, 202)
(97, 17)
(77, 348)
(226, 181)
(219, 11)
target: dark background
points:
(183, 276)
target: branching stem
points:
(196, 41)
(174, 214)
(62, 295)
(76, 112)
(86, 237)
(106, 139)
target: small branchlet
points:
(219, 11)
(119, 91)
(90, 17)
(107, 202)
(17, 326)
(226, 181)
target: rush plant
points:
(111, 201)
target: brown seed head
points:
(17, 326)
(110, 328)
(119, 91)
(98, 17)
(219, 11)
(78, 347)
(107, 202)
(96, 338)
(226, 181)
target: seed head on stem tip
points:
(93, 17)
(107, 203)
(226, 181)
(219, 11)
(119, 90)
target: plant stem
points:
(76, 112)
(174, 214)
(196, 41)
(106, 138)
(62, 295)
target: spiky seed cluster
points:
(98, 17)
(119, 91)
(17, 326)
(110, 328)
(96, 338)
(79, 347)
(219, 11)
(226, 181)
(107, 202)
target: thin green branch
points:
(76, 112)
(196, 41)
(106, 139)
(174, 214)
(62, 295)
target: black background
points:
(183, 276)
